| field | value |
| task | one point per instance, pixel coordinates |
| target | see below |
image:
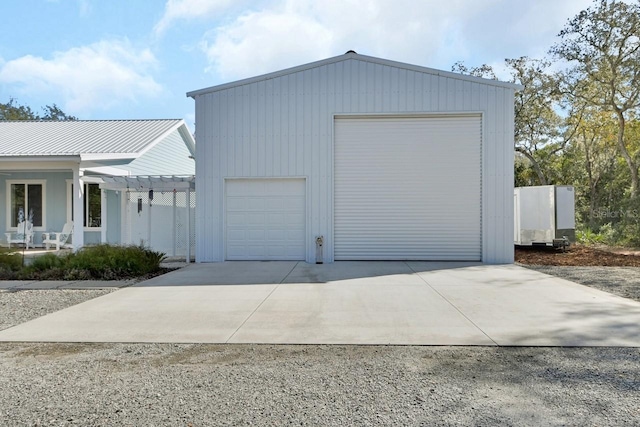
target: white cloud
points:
(265, 41)
(520, 28)
(175, 10)
(298, 31)
(430, 32)
(94, 77)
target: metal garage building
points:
(382, 159)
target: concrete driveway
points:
(424, 303)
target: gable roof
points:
(89, 139)
(353, 56)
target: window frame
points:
(69, 207)
(26, 183)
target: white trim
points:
(484, 213)
(106, 170)
(38, 158)
(188, 227)
(77, 198)
(42, 182)
(403, 115)
(103, 216)
(16, 164)
(97, 157)
(148, 182)
(86, 201)
(186, 135)
(69, 183)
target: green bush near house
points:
(10, 261)
(101, 262)
(110, 262)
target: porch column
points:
(77, 199)
(188, 198)
(173, 221)
(103, 216)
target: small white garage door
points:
(408, 188)
(265, 219)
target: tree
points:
(485, 71)
(595, 150)
(14, 111)
(540, 132)
(52, 112)
(602, 45)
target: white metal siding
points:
(168, 157)
(265, 219)
(408, 188)
(283, 126)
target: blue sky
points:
(127, 59)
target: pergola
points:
(150, 184)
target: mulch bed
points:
(576, 255)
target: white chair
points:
(24, 235)
(58, 238)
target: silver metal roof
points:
(89, 139)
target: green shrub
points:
(10, 260)
(101, 262)
(588, 237)
(607, 235)
(45, 267)
(111, 262)
(47, 262)
(629, 235)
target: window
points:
(92, 205)
(25, 198)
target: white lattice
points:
(161, 223)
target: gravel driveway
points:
(622, 281)
(201, 385)
(21, 306)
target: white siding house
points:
(56, 170)
(382, 159)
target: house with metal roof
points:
(93, 174)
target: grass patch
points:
(101, 262)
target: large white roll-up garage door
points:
(265, 219)
(408, 188)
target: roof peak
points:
(351, 55)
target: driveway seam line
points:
(289, 273)
(452, 304)
(261, 302)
